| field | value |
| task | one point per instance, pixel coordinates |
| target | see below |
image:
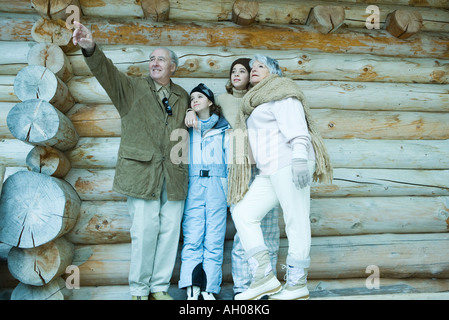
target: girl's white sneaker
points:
(207, 295)
(193, 292)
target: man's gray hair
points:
(272, 64)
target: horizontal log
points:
(14, 56)
(319, 94)
(397, 154)
(319, 289)
(396, 256)
(406, 296)
(414, 3)
(284, 12)
(131, 8)
(7, 89)
(96, 184)
(104, 121)
(197, 62)
(102, 222)
(14, 152)
(100, 120)
(5, 107)
(265, 37)
(101, 153)
(294, 12)
(344, 153)
(16, 27)
(218, 34)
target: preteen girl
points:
(204, 220)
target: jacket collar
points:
(175, 91)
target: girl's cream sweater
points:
(230, 105)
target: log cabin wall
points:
(381, 102)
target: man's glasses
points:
(168, 108)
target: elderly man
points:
(150, 110)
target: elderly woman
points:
(285, 146)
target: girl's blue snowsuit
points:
(204, 220)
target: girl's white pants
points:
(265, 193)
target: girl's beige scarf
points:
(272, 88)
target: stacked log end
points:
(403, 23)
(156, 10)
(326, 19)
(244, 12)
(38, 207)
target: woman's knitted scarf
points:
(272, 88)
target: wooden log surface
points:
(404, 23)
(108, 222)
(53, 9)
(54, 290)
(284, 12)
(14, 152)
(101, 153)
(110, 8)
(214, 63)
(198, 62)
(14, 56)
(39, 266)
(104, 121)
(96, 184)
(52, 57)
(326, 19)
(36, 209)
(319, 94)
(49, 161)
(2, 177)
(53, 31)
(344, 153)
(265, 37)
(397, 256)
(340, 289)
(219, 34)
(37, 122)
(35, 81)
(244, 12)
(156, 10)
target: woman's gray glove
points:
(300, 173)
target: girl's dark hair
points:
(214, 108)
